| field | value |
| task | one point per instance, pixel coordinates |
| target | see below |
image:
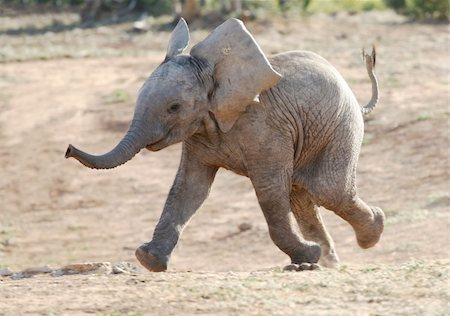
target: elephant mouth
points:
(161, 143)
(156, 146)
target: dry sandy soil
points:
(60, 84)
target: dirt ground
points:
(61, 85)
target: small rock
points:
(84, 268)
(131, 282)
(19, 275)
(123, 267)
(244, 227)
(27, 273)
(5, 272)
(140, 26)
(36, 270)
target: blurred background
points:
(70, 71)
(115, 10)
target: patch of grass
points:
(225, 293)
(411, 216)
(343, 268)
(390, 211)
(352, 6)
(76, 227)
(370, 268)
(372, 5)
(119, 96)
(424, 117)
(413, 265)
(368, 137)
(438, 200)
(422, 9)
(407, 216)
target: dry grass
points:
(414, 288)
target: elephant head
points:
(222, 75)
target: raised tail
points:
(370, 65)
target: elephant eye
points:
(174, 108)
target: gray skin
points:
(289, 122)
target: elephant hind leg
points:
(367, 222)
(331, 184)
(312, 227)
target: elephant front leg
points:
(274, 199)
(190, 189)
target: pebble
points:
(244, 227)
(5, 272)
(37, 270)
(123, 267)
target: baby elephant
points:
(289, 122)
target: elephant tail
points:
(370, 65)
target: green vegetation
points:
(353, 6)
(56, 3)
(368, 137)
(421, 9)
(119, 96)
(416, 9)
(424, 117)
(155, 7)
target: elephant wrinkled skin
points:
(288, 122)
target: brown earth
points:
(78, 86)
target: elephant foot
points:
(370, 235)
(309, 254)
(149, 260)
(302, 267)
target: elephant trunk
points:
(133, 141)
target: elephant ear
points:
(179, 39)
(241, 70)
